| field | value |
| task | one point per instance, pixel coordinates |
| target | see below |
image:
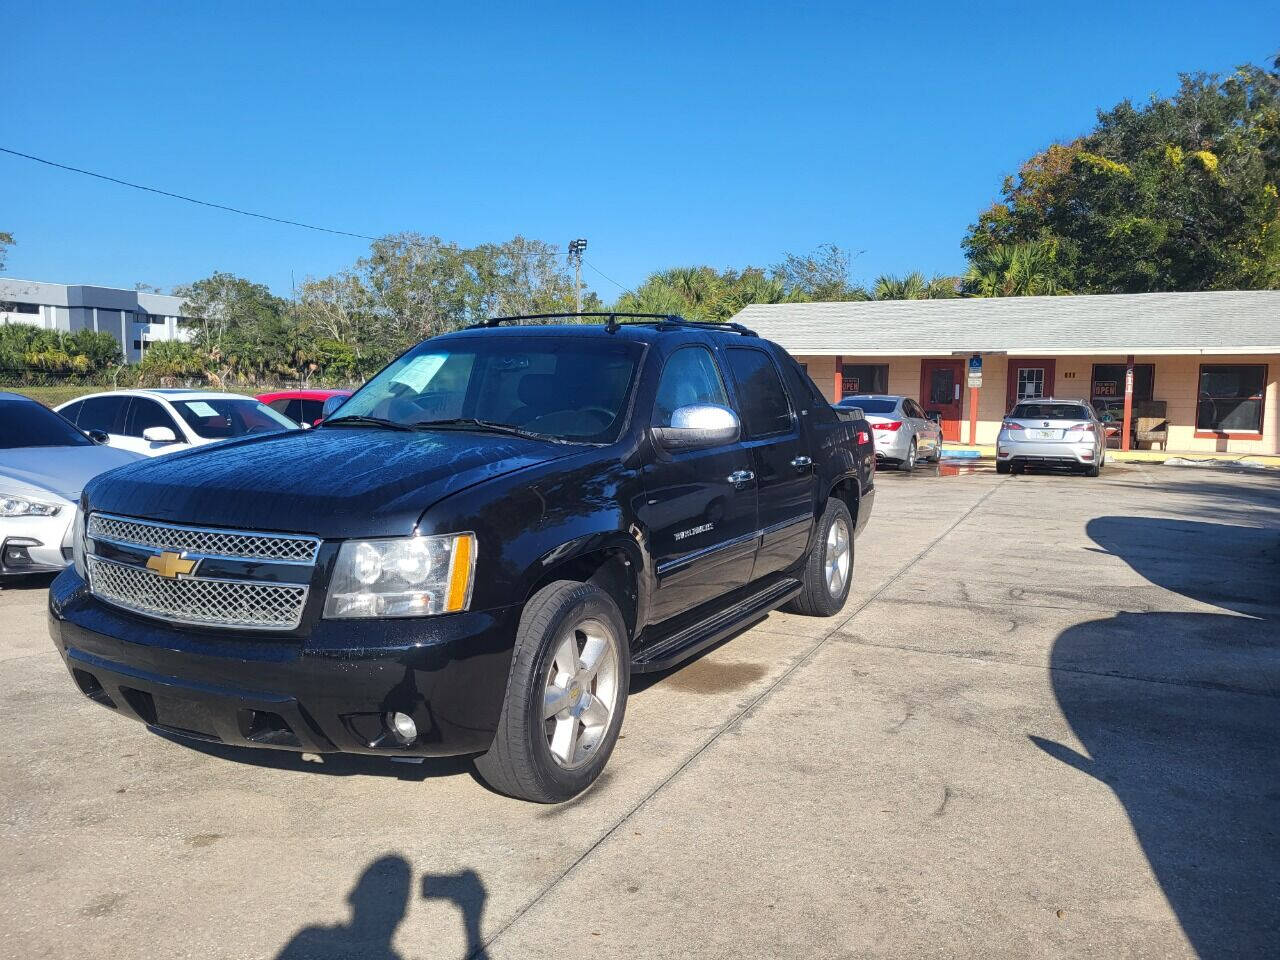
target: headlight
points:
(79, 546)
(404, 577)
(15, 506)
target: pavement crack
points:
(481, 949)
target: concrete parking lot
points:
(1046, 724)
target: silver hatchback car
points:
(903, 431)
(1051, 433)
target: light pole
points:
(575, 257)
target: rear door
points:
(784, 468)
(700, 505)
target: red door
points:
(1029, 380)
(940, 383)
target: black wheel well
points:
(609, 569)
(847, 490)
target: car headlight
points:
(12, 505)
(402, 577)
(79, 546)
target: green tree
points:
(1015, 270)
(6, 241)
(169, 361)
(914, 286)
(1176, 194)
(820, 276)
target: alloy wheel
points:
(835, 561)
(581, 692)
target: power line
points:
(606, 276)
(179, 196)
(249, 213)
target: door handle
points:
(739, 477)
(802, 462)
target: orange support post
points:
(1128, 402)
(839, 380)
(973, 416)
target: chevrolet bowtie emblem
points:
(170, 565)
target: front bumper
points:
(1046, 452)
(328, 692)
(43, 541)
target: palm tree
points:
(1015, 270)
(914, 287)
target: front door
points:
(1028, 380)
(700, 505)
(785, 472)
(940, 386)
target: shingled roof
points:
(1218, 322)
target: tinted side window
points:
(913, 410)
(73, 411)
(765, 407)
(103, 413)
(293, 410)
(280, 405)
(690, 377)
(311, 410)
(146, 413)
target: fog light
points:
(402, 725)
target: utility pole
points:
(575, 257)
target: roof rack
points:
(663, 321)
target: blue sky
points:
(666, 133)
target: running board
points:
(698, 636)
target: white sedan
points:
(153, 422)
(44, 464)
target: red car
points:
(301, 406)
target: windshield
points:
(567, 388)
(875, 405)
(1050, 411)
(32, 425)
(222, 418)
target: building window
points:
(1030, 383)
(20, 307)
(1230, 398)
(1107, 388)
(863, 378)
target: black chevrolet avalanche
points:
(473, 553)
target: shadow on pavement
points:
(1179, 714)
(379, 901)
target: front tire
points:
(566, 695)
(828, 573)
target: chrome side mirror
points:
(331, 405)
(159, 435)
(698, 426)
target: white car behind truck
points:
(154, 422)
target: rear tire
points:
(565, 629)
(827, 578)
(1093, 470)
(1002, 466)
(909, 464)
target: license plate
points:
(1045, 434)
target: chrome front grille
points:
(280, 547)
(198, 575)
(220, 603)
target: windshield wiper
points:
(471, 423)
(359, 419)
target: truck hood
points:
(60, 470)
(333, 482)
